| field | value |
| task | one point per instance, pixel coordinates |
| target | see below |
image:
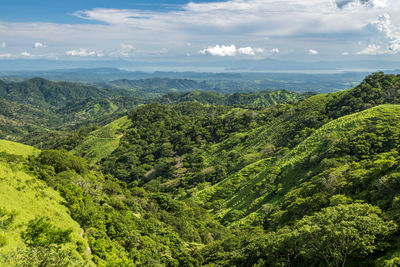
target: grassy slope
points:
(17, 149)
(29, 197)
(102, 142)
(251, 187)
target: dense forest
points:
(270, 178)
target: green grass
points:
(102, 142)
(17, 149)
(267, 181)
(337, 129)
(30, 198)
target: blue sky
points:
(200, 32)
(60, 11)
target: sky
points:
(230, 33)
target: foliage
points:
(308, 183)
(126, 226)
(24, 198)
(256, 99)
(41, 233)
(43, 256)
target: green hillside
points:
(102, 142)
(17, 149)
(23, 198)
(43, 93)
(256, 99)
(34, 109)
(268, 180)
(38, 106)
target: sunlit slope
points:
(268, 181)
(17, 149)
(28, 197)
(102, 142)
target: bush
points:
(41, 233)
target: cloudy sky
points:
(200, 31)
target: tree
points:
(344, 231)
(41, 233)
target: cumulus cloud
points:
(3, 44)
(385, 37)
(246, 51)
(26, 54)
(83, 52)
(312, 52)
(39, 45)
(274, 50)
(371, 49)
(126, 50)
(221, 51)
(230, 50)
(345, 53)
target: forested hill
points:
(43, 93)
(309, 183)
(156, 87)
(255, 99)
(38, 106)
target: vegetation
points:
(256, 99)
(34, 109)
(24, 239)
(202, 179)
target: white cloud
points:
(126, 50)
(371, 49)
(385, 37)
(221, 51)
(345, 53)
(230, 51)
(275, 50)
(39, 45)
(291, 25)
(26, 54)
(246, 51)
(83, 52)
(358, 3)
(3, 45)
(312, 52)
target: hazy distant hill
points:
(228, 82)
(43, 93)
(256, 99)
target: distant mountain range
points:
(237, 81)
